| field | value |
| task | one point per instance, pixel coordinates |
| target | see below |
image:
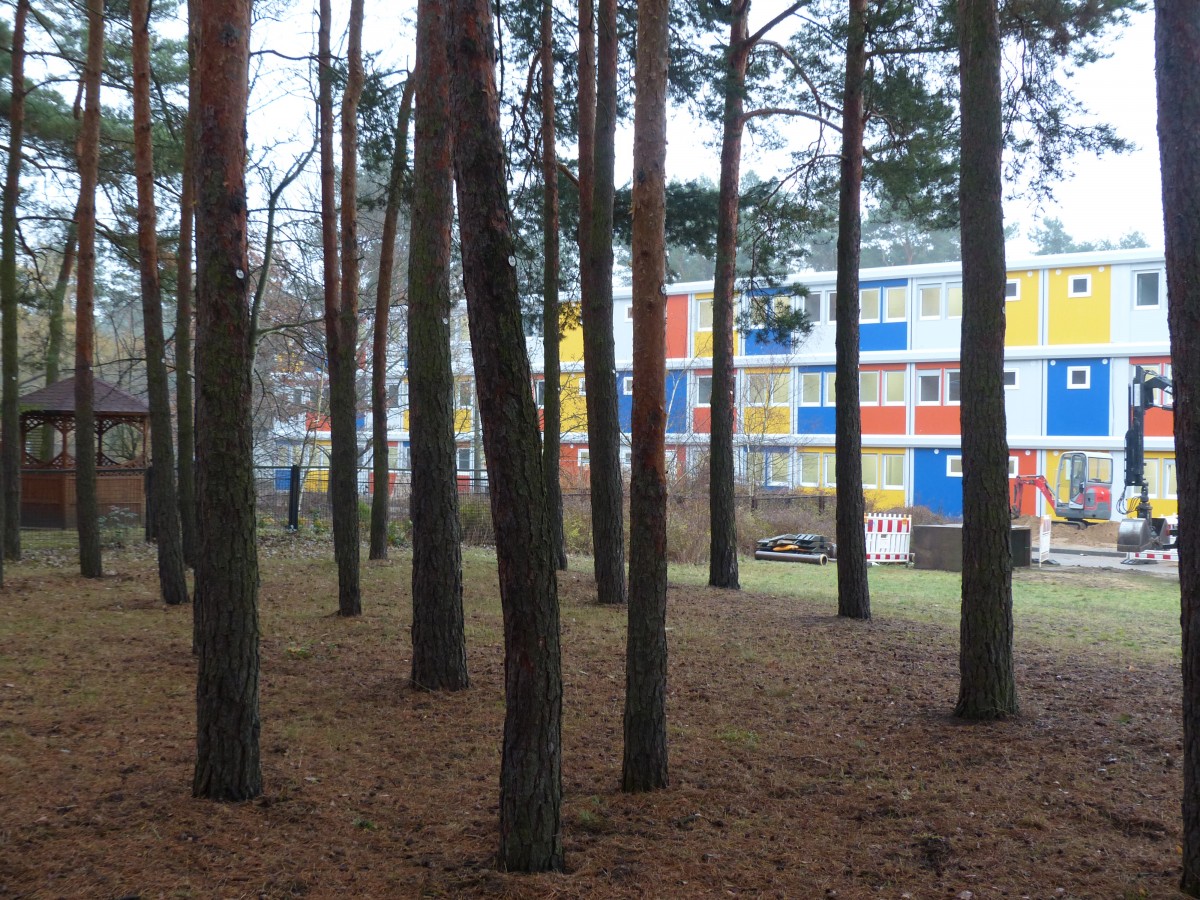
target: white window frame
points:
(1015, 284)
(867, 484)
(1087, 290)
(921, 313)
(629, 312)
(1168, 494)
(829, 464)
(700, 378)
(950, 402)
(864, 376)
(802, 378)
(1014, 467)
(953, 463)
(886, 303)
(892, 375)
(700, 302)
(583, 458)
(829, 379)
(1087, 381)
(458, 459)
(811, 299)
(581, 385)
(949, 287)
(1137, 294)
(883, 475)
(539, 393)
(816, 459)
(627, 385)
(929, 373)
(862, 293)
(769, 459)
(459, 387)
(1016, 374)
(830, 306)
(1152, 472)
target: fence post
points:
(294, 500)
(148, 487)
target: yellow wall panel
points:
(766, 420)
(570, 348)
(879, 500)
(1022, 314)
(573, 404)
(462, 421)
(1079, 320)
(703, 345)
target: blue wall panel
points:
(1078, 411)
(676, 402)
(816, 419)
(624, 403)
(878, 334)
(932, 487)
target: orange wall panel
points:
(702, 419)
(936, 420)
(883, 419)
(677, 327)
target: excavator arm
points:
(1037, 481)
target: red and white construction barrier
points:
(1155, 555)
(888, 538)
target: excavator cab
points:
(1083, 488)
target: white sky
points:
(1105, 199)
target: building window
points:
(931, 301)
(954, 301)
(629, 313)
(769, 467)
(929, 387)
(810, 388)
(830, 469)
(626, 458)
(582, 386)
(954, 466)
(830, 389)
(1145, 295)
(893, 388)
(868, 388)
(1079, 286)
(812, 307)
(831, 307)
(767, 389)
(1013, 467)
(809, 466)
(952, 386)
(1151, 475)
(868, 305)
(464, 459)
(1010, 379)
(1170, 485)
(464, 395)
(870, 471)
(1079, 378)
(539, 393)
(703, 390)
(1012, 289)
(704, 314)
(627, 385)
(585, 458)
(893, 471)
(896, 309)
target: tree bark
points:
(531, 757)
(987, 687)
(599, 350)
(341, 323)
(184, 389)
(722, 551)
(163, 503)
(227, 719)
(854, 596)
(552, 406)
(439, 660)
(90, 565)
(379, 343)
(10, 415)
(645, 760)
(1177, 59)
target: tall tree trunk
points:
(11, 445)
(55, 330)
(645, 761)
(88, 150)
(854, 596)
(379, 342)
(439, 659)
(552, 408)
(184, 390)
(340, 342)
(722, 553)
(227, 720)
(987, 687)
(586, 114)
(531, 757)
(599, 351)
(1177, 59)
(163, 503)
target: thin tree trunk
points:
(184, 389)
(645, 760)
(90, 565)
(379, 344)
(55, 331)
(552, 406)
(586, 114)
(227, 718)
(339, 346)
(722, 555)
(11, 445)
(439, 659)
(987, 686)
(1177, 59)
(531, 757)
(599, 351)
(854, 595)
(163, 503)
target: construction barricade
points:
(888, 538)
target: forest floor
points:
(810, 756)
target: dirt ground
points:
(810, 757)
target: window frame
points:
(458, 459)
(929, 373)
(1086, 292)
(1016, 294)
(701, 302)
(581, 385)
(957, 372)
(952, 286)
(627, 385)
(1137, 293)
(889, 293)
(801, 456)
(1169, 462)
(863, 376)
(810, 299)
(867, 483)
(804, 376)
(1087, 383)
(700, 378)
(539, 393)
(829, 388)
(829, 466)
(1014, 466)
(459, 387)
(922, 289)
(886, 485)
(862, 308)
(1016, 384)
(583, 458)
(951, 459)
(893, 375)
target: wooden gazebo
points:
(48, 482)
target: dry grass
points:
(809, 756)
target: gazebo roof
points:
(107, 399)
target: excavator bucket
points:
(1134, 535)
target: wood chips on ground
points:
(810, 757)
